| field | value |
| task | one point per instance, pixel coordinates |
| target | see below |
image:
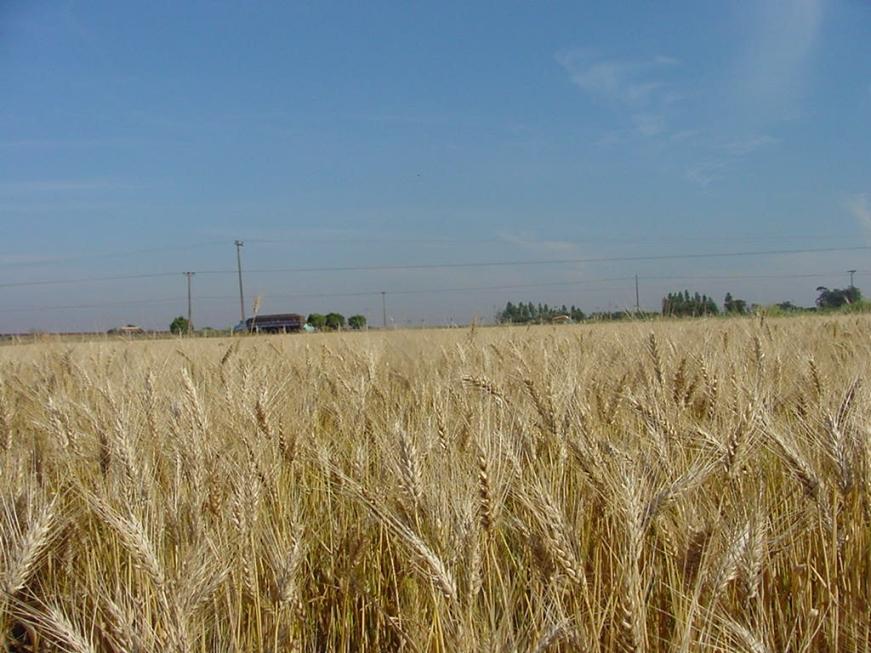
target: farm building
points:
(278, 323)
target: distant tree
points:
(509, 314)
(527, 312)
(837, 297)
(317, 320)
(334, 321)
(734, 306)
(179, 325)
(682, 304)
(357, 322)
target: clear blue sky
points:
(146, 137)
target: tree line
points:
(678, 304)
(328, 322)
(335, 321)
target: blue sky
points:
(140, 138)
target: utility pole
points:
(190, 313)
(637, 297)
(851, 273)
(384, 308)
(239, 245)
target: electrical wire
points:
(438, 266)
(459, 289)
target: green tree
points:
(317, 320)
(837, 297)
(357, 322)
(334, 321)
(734, 306)
(685, 305)
(179, 325)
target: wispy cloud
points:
(685, 135)
(649, 124)
(706, 173)
(27, 259)
(721, 157)
(859, 207)
(639, 87)
(62, 143)
(772, 72)
(749, 145)
(626, 81)
(59, 186)
(533, 244)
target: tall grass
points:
(698, 486)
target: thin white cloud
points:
(726, 155)
(48, 143)
(649, 124)
(772, 73)
(533, 244)
(638, 86)
(27, 259)
(685, 135)
(749, 145)
(706, 173)
(630, 82)
(859, 207)
(59, 186)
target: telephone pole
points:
(239, 245)
(384, 308)
(851, 273)
(190, 313)
(637, 297)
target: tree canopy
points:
(334, 321)
(837, 297)
(682, 304)
(317, 320)
(179, 325)
(524, 313)
(357, 322)
(734, 306)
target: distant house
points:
(561, 319)
(280, 323)
(126, 330)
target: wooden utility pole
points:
(239, 245)
(190, 312)
(637, 296)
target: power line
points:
(504, 240)
(437, 266)
(63, 307)
(60, 282)
(52, 260)
(458, 289)
(537, 262)
(386, 241)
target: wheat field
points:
(653, 486)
